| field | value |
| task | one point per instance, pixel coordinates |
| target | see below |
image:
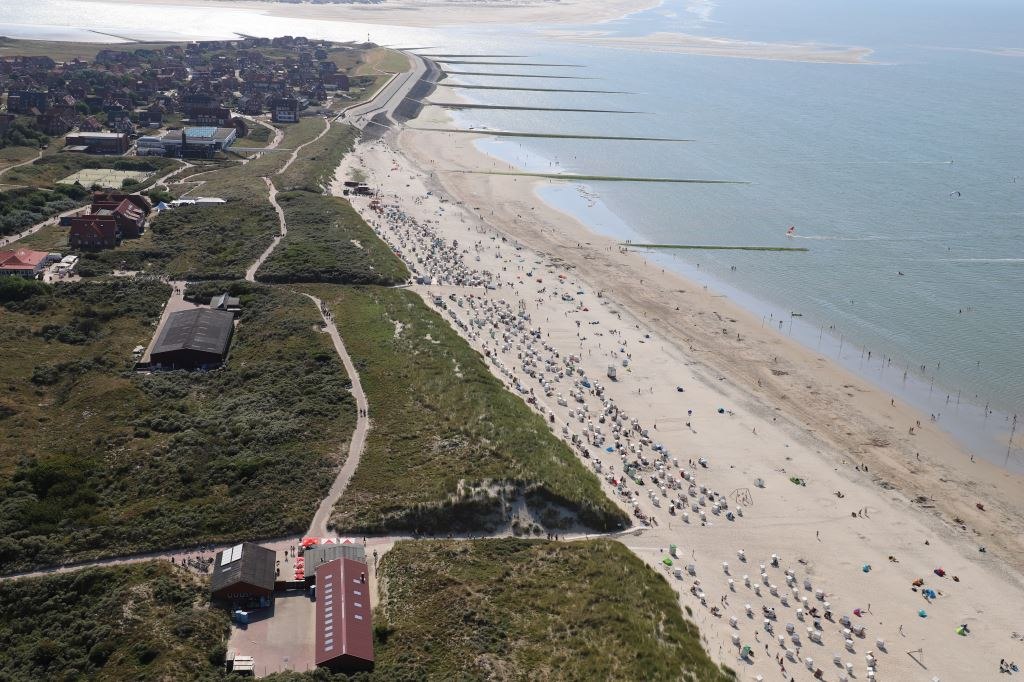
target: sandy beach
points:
(763, 407)
(431, 13)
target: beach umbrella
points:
(308, 542)
(667, 561)
(922, 613)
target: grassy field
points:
(259, 136)
(12, 155)
(141, 622)
(328, 241)
(97, 460)
(194, 242)
(379, 59)
(314, 168)
(445, 430)
(53, 167)
(531, 609)
(61, 51)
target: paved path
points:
(295, 152)
(318, 526)
(250, 274)
(175, 303)
(38, 156)
(10, 239)
(389, 97)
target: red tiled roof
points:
(22, 259)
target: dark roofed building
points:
(191, 339)
(321, 554)
(227, 302)
(344, 635)
(243, 573)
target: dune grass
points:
(314, 168)
(98, 460)
(328, 241)
(444, 429)
(141, 622)
(531, 609)
(194, 242)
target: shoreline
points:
(822, 535)
(974, 432)
(826, 406)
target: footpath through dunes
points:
(451, 448)
(101, 461)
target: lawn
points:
(328, 241)
(259, 136)
(445, 433)
(141, 622)
(531, 609)
(97, 460)
(45, 172)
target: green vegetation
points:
(605, 178)
(259, 136)
(328, 241)
(26, 206)
(194, 242)
(505, 133)
(314, 168)
(45, 172)
(61, 51)
(20, 134)
(97, 460)
(139, 622)
(713, 248)
(445, 430)
(532, 609)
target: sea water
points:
(903, 177)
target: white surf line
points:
(318, 526)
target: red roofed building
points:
(93, 232)
(22, 262)
(344, 634)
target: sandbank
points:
(430, 13)
(721, 47)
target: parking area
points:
(281, 638)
